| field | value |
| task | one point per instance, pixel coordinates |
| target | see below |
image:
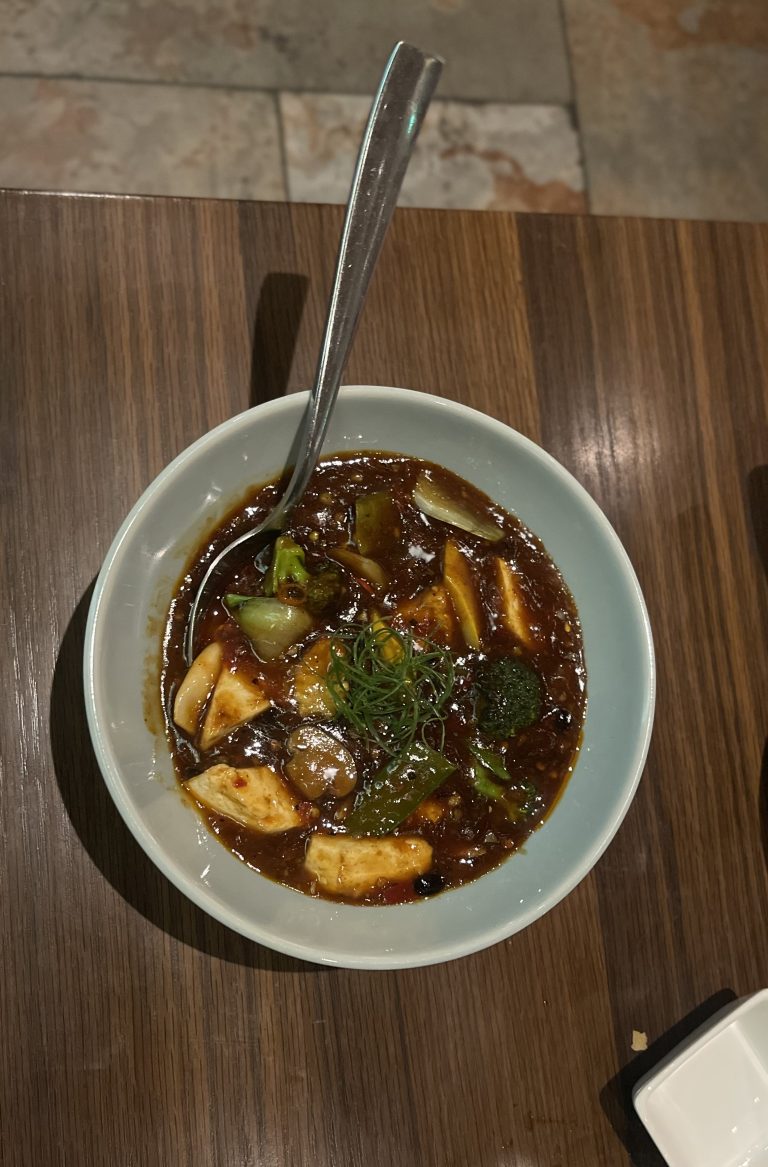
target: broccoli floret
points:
(323, 589)
(287, 566)
(508, 693)
(289, 579)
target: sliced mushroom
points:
(236, 699)
(319, 764)
(351, 867)
(255, 797)
(196, 687)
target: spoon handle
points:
(396, 115)
(397, 112)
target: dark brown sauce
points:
(475, 834)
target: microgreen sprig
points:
(389, 686)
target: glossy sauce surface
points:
(473, 834)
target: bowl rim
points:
(197, 892)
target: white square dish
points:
(706, 1105)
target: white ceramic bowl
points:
(132, 595)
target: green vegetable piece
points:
(232, 600)
(529, 801)
(485, 785)
(491, 761)
(287, 566)
(397, 790)
(323, 589)
(270, 625)
(508, 695)
(518, 803)
(377, 523)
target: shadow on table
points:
(757, 507)
(105, 836)
(279, 311)
(616, 1095)
(89, 805)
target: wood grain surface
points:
(135, 1030)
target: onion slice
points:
(433, 501)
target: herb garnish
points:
(389, 686)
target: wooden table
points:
(135, 1030)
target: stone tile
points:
(485, 157)
(149, 139)
(673, 105)
(505, 50)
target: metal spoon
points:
(396, 115)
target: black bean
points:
(563, 719)
(429, 884)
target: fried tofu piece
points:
(431, 810)
(428, 614)
(309, 685)
(352, 867)
(255, 797)
(458, 579)
(514, 611)
(236, 699)
(196, 687)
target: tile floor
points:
(656, 107)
